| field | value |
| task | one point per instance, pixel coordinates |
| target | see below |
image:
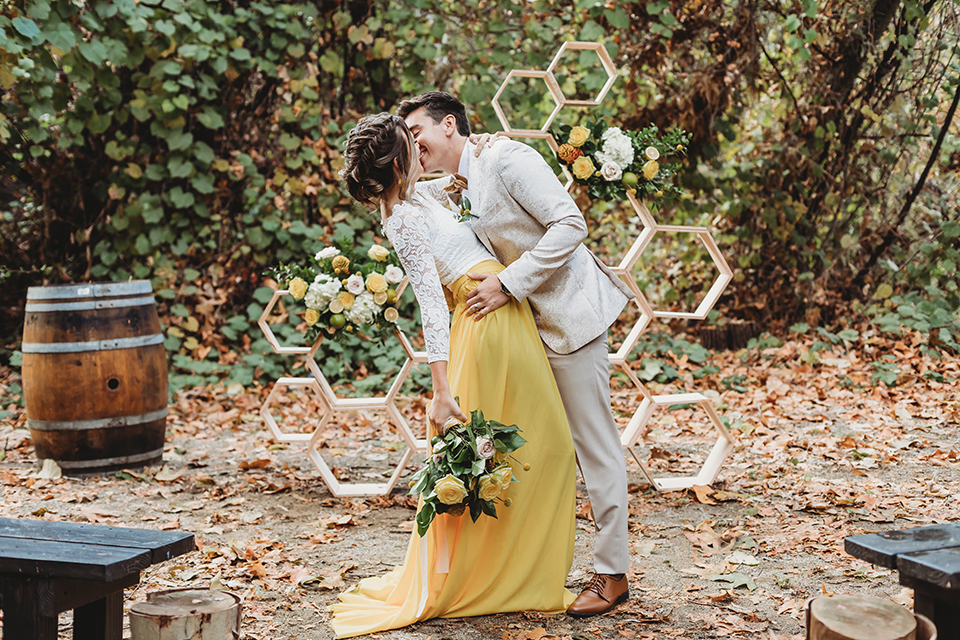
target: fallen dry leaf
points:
(97, 514)
(703, 494)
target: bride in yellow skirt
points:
(519, 560)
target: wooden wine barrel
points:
(95, 376)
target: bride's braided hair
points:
(377, 156)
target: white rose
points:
(393, 274)
(611, 171)
(355, 284)
(327, 252)
(485, 448)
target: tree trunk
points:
(186, 614)
(843, 617)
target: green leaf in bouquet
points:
(488, 507)
(420, 482)
(476, 509)
(479, 466)
(425, 517)
(476, 419)
(512, 441)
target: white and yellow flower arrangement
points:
(612, 162)
(345, 290)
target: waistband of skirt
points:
(462, 286)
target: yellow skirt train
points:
(520, 560)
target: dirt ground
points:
(815, 461)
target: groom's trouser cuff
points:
(583, 378)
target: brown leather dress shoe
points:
(602, 594)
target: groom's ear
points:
(449, 124)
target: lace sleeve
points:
(407, 231)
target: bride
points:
(518, 561)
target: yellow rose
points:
(450, 490)
(378, 253)
(340, 264)
(578, 135)
(650, 169)
(336, 306)
(297, 288)
(390, 314)
(346, 299)
(376, 283)
(489, 488)
(503, 475)
(380, 298)
(457, 511)
(311, 317)
(500, 458)
(583, 167)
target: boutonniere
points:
(457, 186)
(464, 213)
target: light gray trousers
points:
(583, 378)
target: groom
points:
(531, 224)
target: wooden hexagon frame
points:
(552, 87)
(711, 466)
(350, 489)
(649, 228)
(278, 434)
(724, 273)
(334, 404)
(268, 332)
(605, 61)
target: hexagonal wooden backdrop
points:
(647, 408)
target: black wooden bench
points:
(928, 559)
(50, 567)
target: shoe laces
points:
(596, 584)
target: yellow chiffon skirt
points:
(520, 560)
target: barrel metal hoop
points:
(137, 287)
(143, 301)
(101, 423)
(106, 462)
(92, 345)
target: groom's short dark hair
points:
(438, 105)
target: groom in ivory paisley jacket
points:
(531, 224)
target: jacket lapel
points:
(479, 192)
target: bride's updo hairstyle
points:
(378, 155)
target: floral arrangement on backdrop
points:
(611, 162)
(468, 469)
(345, 290)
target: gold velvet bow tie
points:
(457, 185)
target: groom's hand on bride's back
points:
(487, 297)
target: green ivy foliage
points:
(196, 143)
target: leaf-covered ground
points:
(822, 453)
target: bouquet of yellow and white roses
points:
(612, 162)
(346, 290)
(468, 468)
